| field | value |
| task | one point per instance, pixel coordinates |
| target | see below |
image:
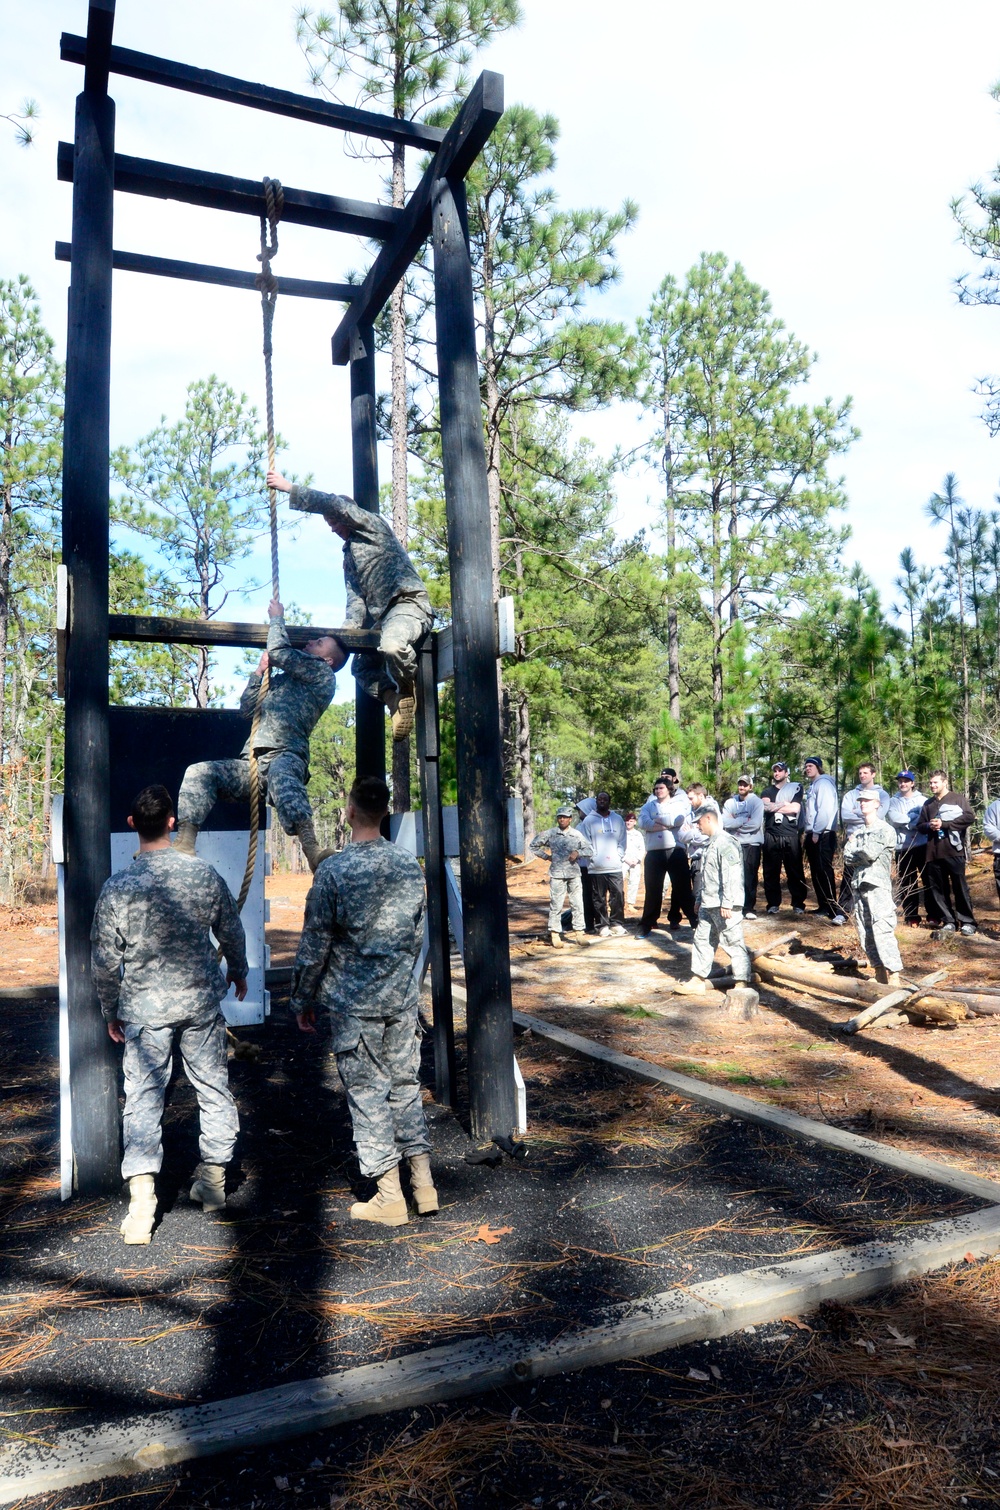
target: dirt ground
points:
(886, 1406)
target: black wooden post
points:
(428, 760)
(477, 713)
(93, 1070)
(369, 731)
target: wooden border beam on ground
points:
(748, 1110)
(225, 277)
(220, 86)
(636, 1329)
(242, 196)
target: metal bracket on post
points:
(62, 627)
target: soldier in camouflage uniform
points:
(301, 687)
(362, 934)
(563, 845)
(158, 979)
(720, 916)
(868, 855)
(383, 589)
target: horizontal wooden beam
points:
(242, 196)
(747, 1110)
(149, 630)
(226, 277)
(635, 1329)
(466, 136)
(220, 86)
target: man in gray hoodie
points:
(743, 820)
(819, 836)
(911, 846)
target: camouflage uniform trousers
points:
(402, 628)
(875, 920)
(283, 776)
(713, 929)
(148, 1062)
(382, 1079)
(560, 887)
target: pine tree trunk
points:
(717, 639)
(47, 807)
(400, 439)
(673, 633)
(525, 779)
(6, 557)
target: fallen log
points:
(847, 987)
(937, 1010)
(893, 999)
(785, 938)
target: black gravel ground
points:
(626, 1191)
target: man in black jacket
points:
(944, 818)
(782, 843)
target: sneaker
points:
(772, 912)
(799, 912)
(968, 929)
(644, 933)
(838, 921)
(750, 917)
(618, 931)
(946, 928)
(604, 933)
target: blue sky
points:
(819, 145)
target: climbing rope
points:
(274, 200)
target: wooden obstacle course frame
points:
(86, 630)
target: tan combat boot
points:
(138, 1224)
(556, 940)
(404, 713)
(210, 1186)
(894, 979)
(425, 1197)
(696, 986)
(386, 1206)
(187, 834)
(310, 846)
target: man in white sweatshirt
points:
(661, 819)
(853, 820)
(743, 820)
(605, 832)
(911, 846)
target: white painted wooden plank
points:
(633, 1330)
(769, 1116)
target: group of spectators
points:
(598, 855)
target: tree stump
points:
(741, 1002)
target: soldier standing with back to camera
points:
(362, 934)
(158, 979)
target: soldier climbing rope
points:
(274, 200)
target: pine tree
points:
(195, 488)
(751, 487)
(410, 55)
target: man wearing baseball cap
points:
(782, 846)
(869, 853)
(819, 836)
(564, 845)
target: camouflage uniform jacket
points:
(300, 689)
(869, 851)
(560, 843)
(722, 872)
(151, 957)
(362, 933)
(377, 570)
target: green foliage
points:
(195, 489)
(407, 54)
(749, 489)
